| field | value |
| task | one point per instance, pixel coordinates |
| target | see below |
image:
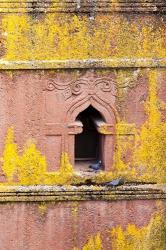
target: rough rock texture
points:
(57, 58)
(65, 225)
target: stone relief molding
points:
(58, 193)
(86, 63)
(78, 86)
(81, 6)
(73, 193)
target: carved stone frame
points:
(79, 95)
(108, 137)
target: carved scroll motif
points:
(78, 86)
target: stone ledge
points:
(81, 6)
(82, 193)
(86, 63)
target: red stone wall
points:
(43, 104)
(65, 225)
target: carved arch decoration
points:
(108, 140)
(109, 114)
(78, 95)
(85, 92)
(75, 86)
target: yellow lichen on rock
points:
(32, 167)
(146, 146)
(94, 243)
(64, 175)
(65, 167)
(74, 208)
(42, 208)
(10, 158)
(148, 237)
(150, 154)
(139, 153)
(58, 37)
(16, 36)
(123, 144)
(129, 239)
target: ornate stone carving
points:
(77, 87)
(50, 86)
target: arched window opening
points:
(88, 144)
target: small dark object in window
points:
(97, 166)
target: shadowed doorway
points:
(88, 143)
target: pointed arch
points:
(110, 117)
(108, 113)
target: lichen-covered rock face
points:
(79, 35)
(41, 107)
(59, 58)
(68, 68)
(83, 225)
